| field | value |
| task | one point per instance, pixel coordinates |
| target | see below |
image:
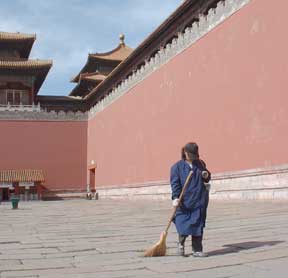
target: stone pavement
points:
(106, 238)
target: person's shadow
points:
(238, 247)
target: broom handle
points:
(180, 199)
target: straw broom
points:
(159, 249)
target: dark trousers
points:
(196, 242)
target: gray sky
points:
(67, 30)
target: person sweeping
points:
(190, 216)
(190, 200)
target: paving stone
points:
(80, 238)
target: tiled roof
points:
(118, 54)
(25, 64)
(16, 36)
(21, 176)
(95, 76)
(84, 82)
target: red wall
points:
(58, 148)
(228, 92)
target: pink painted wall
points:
(58, 148)
(228, 92)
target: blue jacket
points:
(191, 215)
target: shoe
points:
(200, 254)
(181, 250)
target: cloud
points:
(68, 30)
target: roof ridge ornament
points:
(122, 38)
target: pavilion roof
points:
(37, 68)
(25, 64)
(6, 36)
(121, 52)
(86, 80)
(93, 76)
(21, 175)
(20, 41)
(118, 54)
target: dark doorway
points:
(92, 179)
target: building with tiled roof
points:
(98, 67)
(20, 77)
(20, 44)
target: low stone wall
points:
(265, 183)
(256, 184)
(63, 194)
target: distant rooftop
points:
(118, 54)
(16, 36)
(121, 52)
(98, 67)
(17, 41)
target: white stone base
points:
(256, 184)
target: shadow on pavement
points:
(241, 246)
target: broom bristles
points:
(159, 249)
